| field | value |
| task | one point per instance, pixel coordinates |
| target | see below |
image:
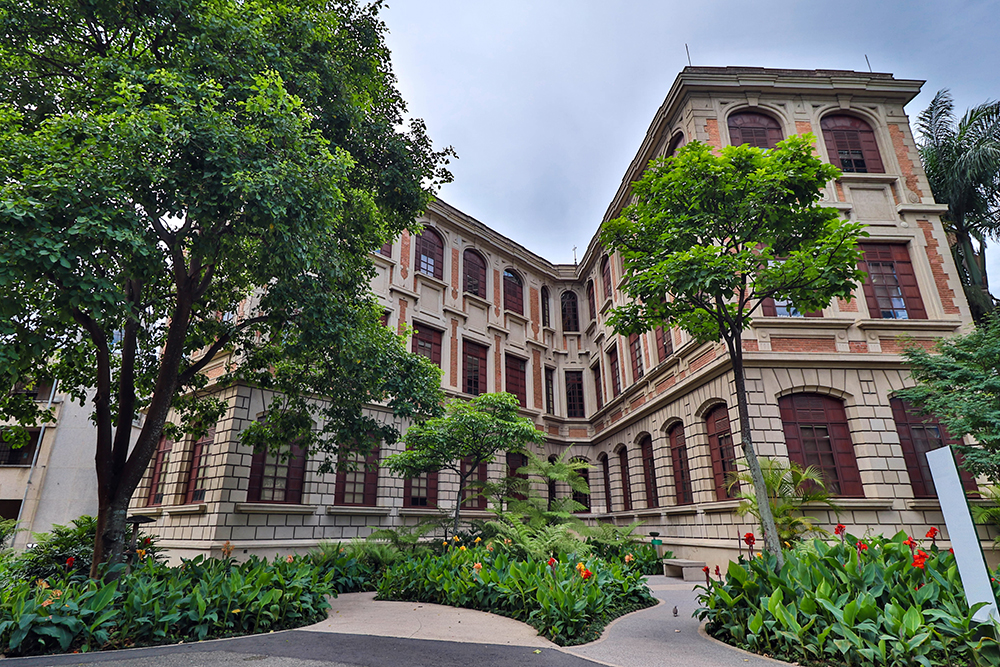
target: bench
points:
(690, 570)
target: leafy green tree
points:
(960, 385)
(962, 162)
(470, 433)
(185, 181)
(539, 510)
(710, 236)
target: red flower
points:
(952, 551)
(861, 546)
(705, 569)
(718, 572)
(750, 540)
(932, 533)
(920, 558)
(708, 579)
(553, 562)
(840, 529)
(586, 574)
(70, 562)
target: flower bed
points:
(567, 600)
(854, 602)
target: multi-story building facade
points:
(654, 413)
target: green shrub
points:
(854, 602)
(156, 604)
(8, 528)
(615, 543)
(558, 600)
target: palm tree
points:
(963, 166)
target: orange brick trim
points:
(666, 384)
(404, 254)
(535, 300)
(402, 316)
(637, 402)
(498, 365)
(847, 306)
(903, 155)
(937, 269)
(536, 377)
(453, 367)
(858, 346)
(578, 433)
(454, 273)
(897, 345)
(497, 292)
(703, 360)
(803, 345)
(712, 129)
(750, 346)
(802, 127)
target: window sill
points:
(404, 292)
(357, 509)
(437, 282)
(274, 508)
(193, 508)
(934, 504)
(421, 511)
(147, 511)
(679, 509)
(721, 506)
(924, 325)
(855, 504)
(479, 300)
(518, 317)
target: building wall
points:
(846, 353)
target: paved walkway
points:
(361, 632)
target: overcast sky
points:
(546, 102)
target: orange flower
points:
(41, 583)
(47, 602)
(462, 548)
(629, 558)
(289, 558)
(477, 567)
(478, 540)
(489, 546)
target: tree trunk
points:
(112, 534)
(458, 504)
(771, 541)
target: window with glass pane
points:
(574, 395)
(682, 470)
(474, 273)
(616, 386)
(516, 384)
(606, 277)
(591, 305)
(22, 456)
(598, 387)
(635, 352)
(198, 472)
(581, 497)
(890, 287)
(513, 292)
(158, 480)
(649, 472)
(570, 312)
(817, 434)
(755, 129)
(720, 442)
(474, 368)
(357, 483)
(550, 391)
(626, 482)
(919, 434)
(546, 314)
(606, 473)
(427, 343)
(430, 254)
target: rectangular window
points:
(598, 387)
(158, 480)
(664, 343)
(472, 497)
(421, 491)
(198, 472)
(386, 249)
(474, 368)
(550, 391)
(21, 456)
(635, 353)
(574, 395)
(358, 483)
(277, 479)
(427, 343)
(891, 286)
(616, 386)
(516, 384)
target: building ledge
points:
(357, 510)
(910, 325)
(721, 506)
(274, 508)
(147, 511)
(854, 504)
(193, 508)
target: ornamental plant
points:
(850, 602)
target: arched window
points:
(649, 472)
(606, 471)
(591, 301)
(606, 277)
(546, 313)
(516, 461)
(755, 129)
(676, 142)
(513, 292)
(626, 483)
(851, 145)
(474, 273)
(570, 312)
(679, 458)
(919, 434)
(430, 254)
(720, 442)
(579, 496)
(817, 434)
(551, 484)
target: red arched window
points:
(474, 273)
(516, 461)
(626, 483)
(649, 472)
(755, 129)
(817, 434)
(851, 145)
(513, 292)
(679, 458)
(720, 442)
(606, 277)
(570, 311)
(919, 434)
(430, 254)
(546, 312)
(579, 496)
(591, 302)
(676, 142)
(606, 471)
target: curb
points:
(704, 633)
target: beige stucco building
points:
(654, 413)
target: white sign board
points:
(962, 532)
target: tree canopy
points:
(711, 235)
(960, 385)
(470, 433)
(182, 181)
(962, 161)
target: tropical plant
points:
(407, 539)
(871, 601)
(790, 487)
(548, 509)
(539, 541)
(962, 162)
(620, 544)
(988, 515)
(8, 528)
(718, 232)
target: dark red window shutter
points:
(550, 391)
(358, 487)
(635, 353)
(157, 479)
(513, 292)
(386, 249)
(516, 461)
(198, 471)
(890, 285)
(767, 308)
(852, 137)
(626, 482)
(516, 383)
(430, 254)
(755, 129)
(598, 386)
(474, 499)
(427, 343)
(664, 343)
(570, 312)
(474, 273)
(606, 471)
(649, 472)
(590, 300)
(579, 496)
(908, 283)
(720, 442)
(679, 459)
(546, 314)
(474, 368)
(606, 277)
(616, 387)
(817, 434)
(575, 407)
(421, 491)
(919, 434)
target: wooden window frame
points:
(839, 130)
(477, 502)
(664, 344)
(427, 343)
(369, 482)
(805, 438)
(546, 308)
(635, 355)
(579, 496)
(474, 357)
(606, 281)
(474, 273)
(550, 391)
(898, 255)
(515, 461)
(513, 292)
(576, 407)
(683, 491)
(909, 422)
(755, 129)
(427, 480)
(570, 307)
(23, 456)
(615, 371)
(197, 469)
(649, 472)
(723, 449)
(516, 381)
(429, 254)
(606, 470)
(591, 300)
(598, 386)
(386, 249)
(157, 479)
(626, 481)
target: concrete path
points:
(361, 632)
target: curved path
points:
(362, 632)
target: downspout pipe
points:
(34, 457)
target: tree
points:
(710, 236)
(470, 433)
(539, 510)
(184, 181)
(962, 163)
(960, 385)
